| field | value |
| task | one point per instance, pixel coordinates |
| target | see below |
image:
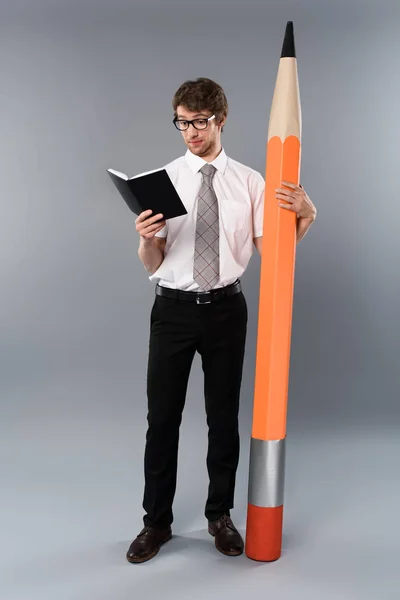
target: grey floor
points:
(71, 470)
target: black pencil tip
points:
(288, 49)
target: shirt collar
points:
(195, 163)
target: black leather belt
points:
(200, 297)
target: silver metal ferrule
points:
(266, 472)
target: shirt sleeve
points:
(163, 232)
(257, 191)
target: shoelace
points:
(145, 530)
(226, 522)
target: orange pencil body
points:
(267, 454)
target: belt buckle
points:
(198, 300)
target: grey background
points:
(88, 85)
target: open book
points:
(150, 190)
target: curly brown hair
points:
(201, 94)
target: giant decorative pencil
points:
(268, 438)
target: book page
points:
(146, 173)
(121, 175)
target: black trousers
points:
(177, 330)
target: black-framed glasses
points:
(183, 124)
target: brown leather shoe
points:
(227, 538)
(147, 544)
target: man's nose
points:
(194, 132)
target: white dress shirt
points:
(240, 193)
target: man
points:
(196, 261)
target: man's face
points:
(200, 142)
